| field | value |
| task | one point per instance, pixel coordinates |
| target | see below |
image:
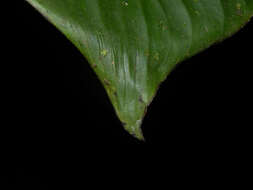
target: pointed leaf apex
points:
(135, 129)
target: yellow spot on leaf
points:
(104, 52)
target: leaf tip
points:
(135, 129)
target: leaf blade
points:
(133, 45)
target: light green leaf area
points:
(133, 45)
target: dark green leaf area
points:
(133, 45)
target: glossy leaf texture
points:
(133, 45)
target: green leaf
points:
(133, 45)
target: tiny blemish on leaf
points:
(156, 56)
(206, 28)
(107, 83)
(104, 52)
(141, 99)
(125, 3)
(238, 9)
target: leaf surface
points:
(133, 45)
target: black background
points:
(58, 120)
